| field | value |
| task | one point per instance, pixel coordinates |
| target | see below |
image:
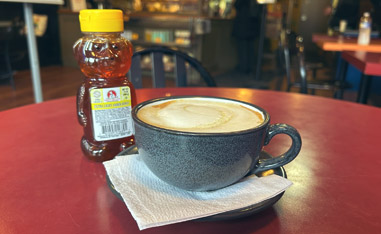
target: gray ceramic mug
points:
(208, 161)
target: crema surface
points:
(201, 115)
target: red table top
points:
(368, 63)
(47, 186)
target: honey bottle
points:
(106, 96)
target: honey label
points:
(111, 112)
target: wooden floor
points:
(58, 82)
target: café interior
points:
(77, 156)
(208, 30)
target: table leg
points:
(341, 75)
(33, 55)
(362, 96)
(339, 66)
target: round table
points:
(48, 186)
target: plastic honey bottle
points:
(106, 96)
(365, 28)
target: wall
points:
(70, 32)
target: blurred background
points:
(236, 40)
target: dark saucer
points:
(234, 214)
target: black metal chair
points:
(313, 84)
(179, 60)
(292, 48)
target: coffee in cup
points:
(201, 115)
(206, 143)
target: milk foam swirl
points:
(201, 115)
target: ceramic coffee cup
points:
(206, 143)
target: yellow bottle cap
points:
(101, 20)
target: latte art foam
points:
(200, 115)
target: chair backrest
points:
(284, 51)
(292, 50)
(301, 65)
(287, 45)
(180, 60)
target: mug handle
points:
(283, 159)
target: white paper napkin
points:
(152, 202)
